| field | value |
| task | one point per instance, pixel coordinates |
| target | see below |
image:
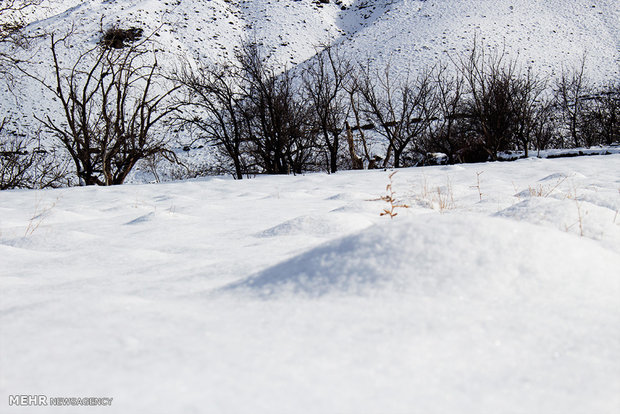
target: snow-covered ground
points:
(496, 291)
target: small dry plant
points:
(40, 213)
(477, 186)
(580, 212)
(544, 191)
(172, 209)
(441, 198)
(445, 197)
(390, 198)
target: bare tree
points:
(324, 86)
(400, 110)
(24, 164)
(214, 103)
(444, 133)
(275, 116)
(529, 106)
(602, 116)
(544, 125)
(490, 79)
(11, 33)
(569, 93)
(355, 104)
(111, 102)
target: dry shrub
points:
(437, 197)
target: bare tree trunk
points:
(356, 161)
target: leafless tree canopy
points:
(325, 84)
(275, 116)
(24, 164)
(253, 112)
(111, 100)
(11, 16)
(444, 134)
(473, 109)
(569, 93)
(11, 34)
(603, 115)
(331, 113)
(401, 109)
(503, 104)
(215, 102)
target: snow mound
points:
(434, 255)
(318, 225)
(142, 219)
(350, 195)
(574, 216)
(562, 176)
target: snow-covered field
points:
(291, 294)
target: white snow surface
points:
(292, 295)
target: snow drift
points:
(437, 255)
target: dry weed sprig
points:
(391, 199)
(580, 213)
(445, 200)
(516, 191)
(541, 191)
(172, 209)
(441, 198)
(425, 191)
(579, 217)
(477, 186)
(38, 216)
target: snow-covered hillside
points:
(497, 290)
(545, 34)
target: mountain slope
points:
(544, 34)
(547, 35)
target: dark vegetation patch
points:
(118, 38)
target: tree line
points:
(115, 105)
